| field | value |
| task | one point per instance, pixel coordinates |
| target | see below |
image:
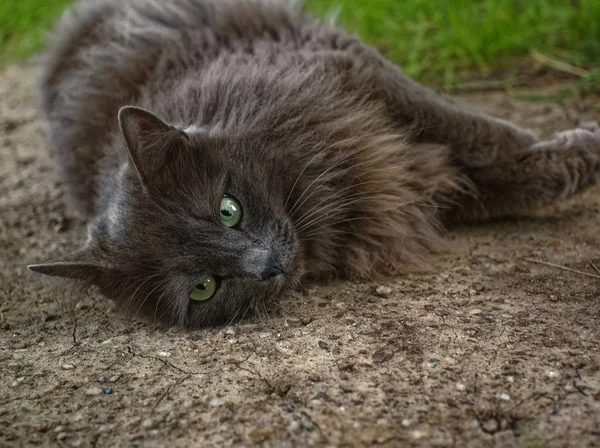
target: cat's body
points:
(340, 163)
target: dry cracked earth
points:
(488, 349)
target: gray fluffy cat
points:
(227, 150)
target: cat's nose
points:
(261, 263)
(273, 268)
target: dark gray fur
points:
(343, 165)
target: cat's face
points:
(190, 237)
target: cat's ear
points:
(80, 265)
(151, 142)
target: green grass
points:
(435, 38)
(432, 39)
(24, 25)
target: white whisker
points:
(132, 296)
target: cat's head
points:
(192, 235)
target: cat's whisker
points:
(331, 211)
(299, 204)
(157, 305)
(296, 205)
(316, 210)
(343, 221)
(302, 172)
(231, 320)
(339, 209)
(246, 309)
(360, 184)
(257, 313)
(443, 207)
(313, 236)
(131, 298)
(345, 141)
(359, 197)
(264, 304)
(343, 171)
(333, 145)
(160, 284)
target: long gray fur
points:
(343, 165)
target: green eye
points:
(230, 212)
(205, 290)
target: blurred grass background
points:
(24, 25)
(432, 39)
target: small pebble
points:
(502, 396)
(216, 402)
(419, 435)
(293, 426)
(59, 428)
(324, 345)
(148, 423)
(292, 322)
(68, 366)
(103, 379)
(230, 332)
(460, 387)
(383, 291)
(552, 374)
(475, 312)
(62, 436)
(490, 425)
(406, 423)
(164, 354)
(94, 391)
(108, 391)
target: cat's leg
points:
(509, 168)
(474, 137)
(548, 171)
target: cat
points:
(228, 151)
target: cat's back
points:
(118, 46)
(106, 53)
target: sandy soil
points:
(489, 349)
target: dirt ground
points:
(488, 350)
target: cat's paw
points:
(584, 137)
(591, 126)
